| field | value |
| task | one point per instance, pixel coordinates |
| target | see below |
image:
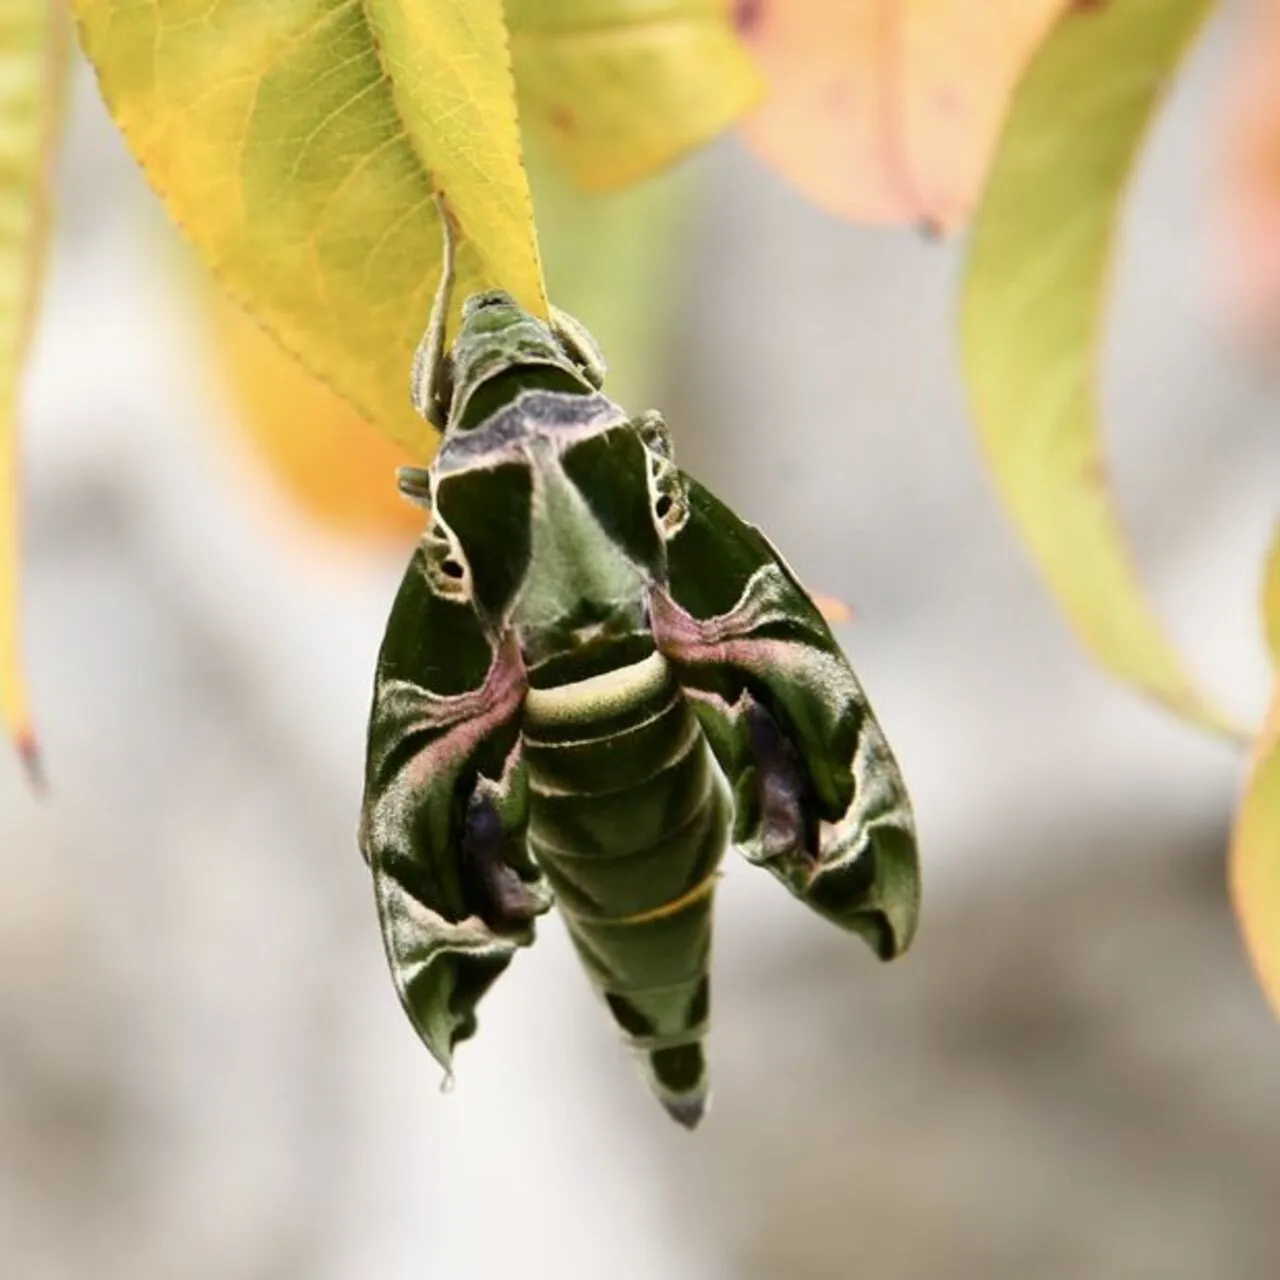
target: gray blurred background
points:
(204, 1072)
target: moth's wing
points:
(818, 796)
(443, 820)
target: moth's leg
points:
(580, 346)
(415, 484)
(654, 431)
(429, 378)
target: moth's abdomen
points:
(628, 820)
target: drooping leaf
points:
(33, 49)
(1247, 204)
(1032, 315)
(1255, 840)
(609, 260)
(300, 143)
(617, 89)
(888, 112)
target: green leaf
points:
(1255, 840)
(617, 89)
(299, 143)
(610, 261)
(33, 50)
(1271, 599)
(1032, 310)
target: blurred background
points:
(204, 1071)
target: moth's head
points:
(559, 539)
(491, 312)
(501, 350)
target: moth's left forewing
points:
(444, 776)
(819, 797)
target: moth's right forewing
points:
(790, 726)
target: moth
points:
(595, 677)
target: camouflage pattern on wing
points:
(445, 810)
(818, 797)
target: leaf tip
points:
(747, 15)
(29, 754)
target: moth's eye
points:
(670, 509)
(446, 566)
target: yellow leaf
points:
(33, 48)
(299, 144)
(608, 262)
(888, 112)
(1255, 840)
(1031, 317)
(325, 456)
(1271, 600)
(619, 88)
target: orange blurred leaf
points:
(832, 609)
(329, 459)
(1248, 190)
(888, 110)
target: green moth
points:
(594, 677)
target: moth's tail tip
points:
(678, 1077)
(688, 1110)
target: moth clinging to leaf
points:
(595, 677)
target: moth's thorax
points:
(581, 589)
(499, 351)
(561, 418)
(547, 504)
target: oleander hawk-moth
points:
(594, 677)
